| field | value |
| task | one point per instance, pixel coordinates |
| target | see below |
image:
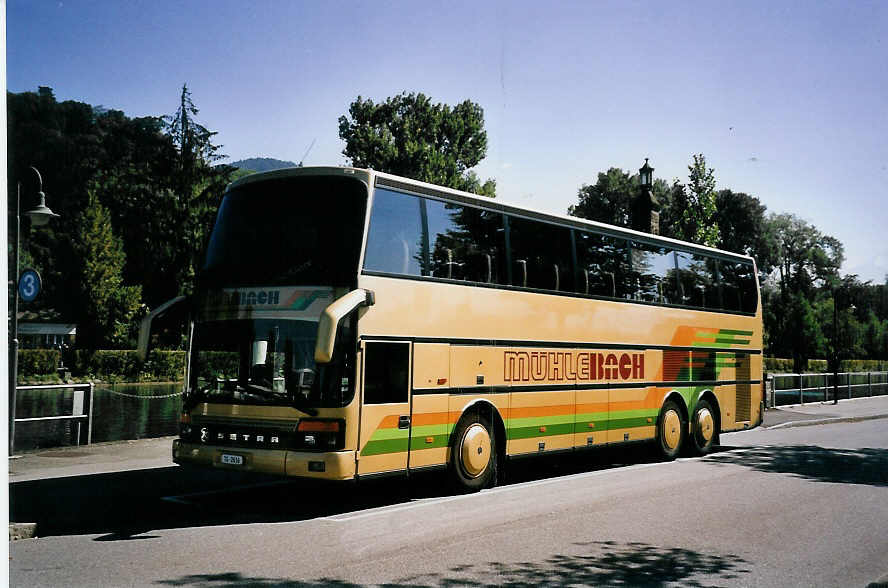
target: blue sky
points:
(787, 100)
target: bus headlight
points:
(320, 434)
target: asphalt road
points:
(804, 506)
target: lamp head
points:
(41, 214)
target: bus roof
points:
(372, 177)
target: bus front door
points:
(385, 408)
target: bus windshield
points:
(265, 361)
(288, 231)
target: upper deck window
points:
(412, 235)
(417, 236)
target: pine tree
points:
(699, 216)
(109, 305)
(198, 189)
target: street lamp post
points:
(835, 345)
(40, 215)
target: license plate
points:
(232, 459)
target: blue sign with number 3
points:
(29, 285)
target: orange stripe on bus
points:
(430, 418)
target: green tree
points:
(741, 224)
(804, 256)
(609, 200)
(108, 305)
(408, 135)
(804, 331)
(198, 187)
(698, 221)
(155, 176)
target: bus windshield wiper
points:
(263, 391)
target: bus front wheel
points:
(473, 457)
(672, 429)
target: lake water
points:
(120, 412)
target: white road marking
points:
(346, 517)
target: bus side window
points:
(395, 234)
(654, 273)
(603, 265)
(466, 242)
(542, 255)
(738, 286)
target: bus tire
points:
(672, 428)
(704, 427)
(473, 454)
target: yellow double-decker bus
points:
(350, 323)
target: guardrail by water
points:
(788, 388)
(58, 415)
(78, 411)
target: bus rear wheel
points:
(473, 456)
(704, 425)
(672, 429)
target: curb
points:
(812, 422)
(22, 531)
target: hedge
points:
(779, 365)
(38, 361)
(104, 364)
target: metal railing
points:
(786, 388)
(82, 408)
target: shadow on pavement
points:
(124, 505)
(841, 466)
(599, 563)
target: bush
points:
(778, 365)
(114, 365)
(863, 365)
(817, 366)
(35, 362)
(165, 365)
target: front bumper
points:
(334, 465)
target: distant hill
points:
(261, 164)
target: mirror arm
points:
(331, 317)
(145, 326)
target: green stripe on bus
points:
(384, 434)
(639, 412)
(419, 442)
(735, 332)
(385, 446)
(721, 340)
(530, 432)
(629, 423)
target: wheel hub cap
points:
(671, 429)
(705, 425)
(475, 451)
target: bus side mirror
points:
(145, 327)
(332, 315)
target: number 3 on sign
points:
(29, 285)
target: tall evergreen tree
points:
(197, 192)
(108, 304)
(698, 221)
